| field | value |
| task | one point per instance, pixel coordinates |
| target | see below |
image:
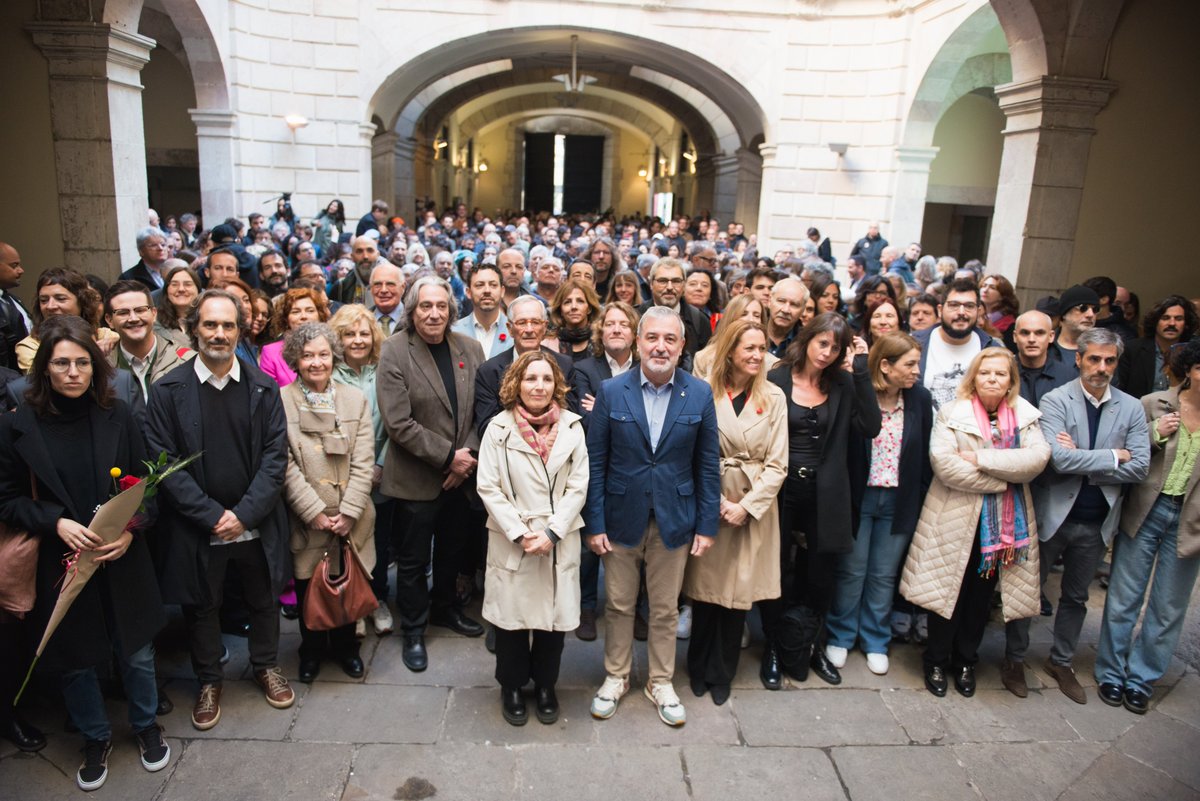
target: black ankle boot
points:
(769, 672)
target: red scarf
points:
(539, 431)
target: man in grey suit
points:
(1099, 442)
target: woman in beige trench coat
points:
(532, 479)
(331, 455)
(743, 564)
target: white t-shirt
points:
(946, 365)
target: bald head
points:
(1033, 332)
(10, 267)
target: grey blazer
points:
(1122, 425)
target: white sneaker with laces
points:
(877, 664)
(382, 618)
(836, 656)
(604, 704)
(670, 709)
(684, 628)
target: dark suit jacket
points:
(1135, 372)
(140, 273)
(186, 512)
(417, 414)
(680, 480)
(491, 373)
(590, 373)
(697, 331)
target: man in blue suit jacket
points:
(655, 487)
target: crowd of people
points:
(510, 408)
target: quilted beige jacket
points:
(941, 546)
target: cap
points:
(1075, 296)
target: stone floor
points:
(439, 734)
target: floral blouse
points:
(885, 449)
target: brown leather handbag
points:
(18, 566)
(332, 602)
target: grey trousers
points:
(1082, 548)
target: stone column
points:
(1046, 143)
(214, 140)
(423, 181)
(404, 189)
(366, 133)
(912, 187)
(749, 186)
(384, 160)
(767, 243)
(99, 141)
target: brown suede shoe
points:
(207, 711)
(275, 687)
(1065, 676)
(587, 625)
(1012, 676)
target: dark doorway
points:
(582, 171)
(956, 230)
(539, 172)
(173, 190)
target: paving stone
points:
(815, 718)
(990, 716)
(1094, 721)
(341, 713)
(1025, 771)
(453, 662)
(331, 669)
(50, 774)
(637, 721)
(600, 774)
(245, 714)
(720, 774)
(242, 771)
(1164, 743)
(388, 772)
(473, 716)
(1182, 702)
(874, 773)
(1116, 777)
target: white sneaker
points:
(745, 635)
(877, 664)
(684, 629)
(382, 618)
(670, 710)
(836, 656)
(604, 704)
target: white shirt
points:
(141, 367)
(946, 365)
(207, 376)
(485, 336)
(618, 369)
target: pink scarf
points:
(539, 431)
(1003, 524)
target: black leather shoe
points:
(512, 705)
(25, 736)
(964, 681)
(1136, 701)
(289, 612)
(165, 705)
(935, 680)
(547, 705)
(413, 653)
(769, 671)
(820, 665)
(1047, 609)
(352, 666)
(489, 642)
(458, 622)
(720, 693)
(309, 668)
(698, 685)
(1111, 694)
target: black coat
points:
(140, 273)
(126, 586)
(491, 373)
(590, 373)
(915, 470)
(124, 384)
(186, 513)
(852, 407)
(1135, 371)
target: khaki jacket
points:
(742, 566)
(521, 494)
(1142, 496)
(319, 482)
(167, 357)
(949, 523)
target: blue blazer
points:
(501, 339)
(681, 480)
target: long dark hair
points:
(823, 323)
(870, 284)
(67, 328)
(1191, 321)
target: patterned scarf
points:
(539, 431)
(1003, 526)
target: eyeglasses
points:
(955, 305)
(138, 311)
(532, 322)
(65, 365)
(669, 281)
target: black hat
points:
(1076, 296)
(224, 233)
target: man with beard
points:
(1077, 309)
(948, 348)
(1099, 443)
(784, 307)
(666, 289)
(486, 324)
(129, 311)
(272, 273)
(601, 254)
(354, 288)
(1143, 369)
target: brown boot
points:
(207, 711)
(587, 625)
(1012, 676)
(1070, 686)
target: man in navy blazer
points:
(655, 487)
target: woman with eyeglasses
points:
(828, 394)
(872, 289)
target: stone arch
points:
(546, 103)
(1050, 37)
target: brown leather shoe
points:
(1065, 676)
(207, 711)
(587, 625)
(1012, 676)
(275, 687)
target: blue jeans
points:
(1120, 660)
(866, 577)
(85, 703)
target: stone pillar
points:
(404, 190)
(366, 163)
(423, 182)
(1042, 169)
(749, 186)
(912, 187)
(703, 187)
(767, 243)
(99, 141)
(384, 160)
(214, 140)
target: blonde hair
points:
(723, 345)
(966, 388)
(736, 308)
(350, 316)
(631, 315)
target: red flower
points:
(759, 411)
(128, 481)
(503, 337)
(461, 365)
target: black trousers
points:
(433, 529)
(339, 643)
(16, 645)
(204, 621)
(386, 529)
(716, 643)
(518, 659)
(811, 572)
(955, 642)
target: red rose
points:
(128, 481)
(503, 337)
(461, 365)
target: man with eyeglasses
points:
(666, 289)
(948, 348)
(129, 312)
(152, 250)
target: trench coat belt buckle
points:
(806, 472)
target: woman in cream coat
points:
(980, 488)
(331, 458)
(532, 478)
(743, 565)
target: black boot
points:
(820, 663)
(769, 671)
